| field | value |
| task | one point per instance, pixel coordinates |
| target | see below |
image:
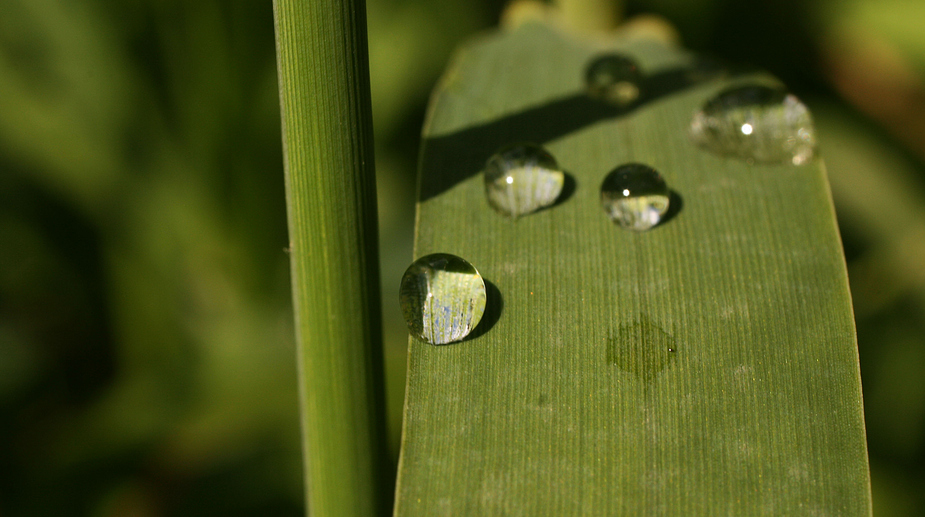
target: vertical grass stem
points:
(331, 197)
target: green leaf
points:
(561, 405)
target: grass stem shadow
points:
(450, 159)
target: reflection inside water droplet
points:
(635, 196)
(442, 298)
(756, 123)
(642, 349)
(521, 179)
(614, 79)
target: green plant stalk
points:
(591, 15)
(331, 198)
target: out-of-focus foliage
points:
(145, 332)
(146, 357)
(145, 324)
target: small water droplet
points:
(442, 298)
(635, 196)
(521, 179)
(756, 123)
(614, 79)
(642, 349)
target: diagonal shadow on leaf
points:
(463, 154)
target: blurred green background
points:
(146, 350)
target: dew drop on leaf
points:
(442, 298)
(521, 179)
(756, 123)
(635, 196)
(614, 79)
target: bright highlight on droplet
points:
(442, 298)
(613, 78)
(635, 196)
(521, 179)
(756, 123)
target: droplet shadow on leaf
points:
(494, 306)
(675, 205)
(568, 189)
(642, 349)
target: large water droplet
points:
(635, 196)
(614, 79)
(756, 123)
(442, 298)
(642, 349)
(521, 179)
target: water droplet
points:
(521, 179)
(442, 298)
(614, 79)
(635, 196)
(756, 123)
(642, 349)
